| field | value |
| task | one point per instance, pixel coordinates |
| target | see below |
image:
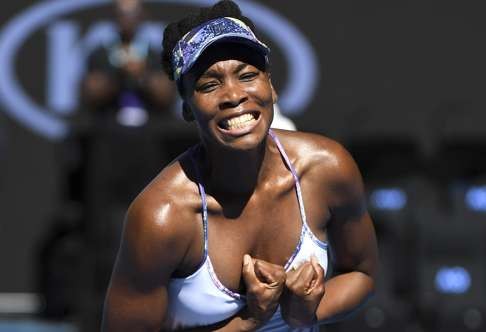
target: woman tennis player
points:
(235, 234)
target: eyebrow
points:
(210, 73)
(215, 73)
(240, 67)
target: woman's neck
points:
(237, 172)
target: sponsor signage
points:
(67, 49)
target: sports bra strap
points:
(195, 149)
(294, 174)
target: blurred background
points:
(87, 118)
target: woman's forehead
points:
(230, 65)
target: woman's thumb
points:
(248, 271)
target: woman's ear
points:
(187, 112)
(274, 93)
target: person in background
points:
(234, 234)
(124, 78)
(122, 141)
(129, 97)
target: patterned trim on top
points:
(220, 286)
(305, 228)
(204, 204)
(315, 239)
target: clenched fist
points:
(304, 289)
(264, 283)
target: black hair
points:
(176, 30)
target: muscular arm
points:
(352, 241)
(353, 280)
(335, 203)
(151, 249)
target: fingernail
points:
(246, 259)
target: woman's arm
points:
(355, 258)
(152, 247)
(332, 180)
(352, 240)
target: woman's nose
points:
(233, 95)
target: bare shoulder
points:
(328, 173)
(314, 153)
(159, 224)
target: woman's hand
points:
(304, 289)
(264, 283)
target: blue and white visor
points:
(190, 47)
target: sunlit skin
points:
(252, 209)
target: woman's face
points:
(231, 96)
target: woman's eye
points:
(248, 76)
(207, 87)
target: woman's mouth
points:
(239, 122)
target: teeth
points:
(239, 122)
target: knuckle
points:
(301, 292)
(254, 289)
(294, 288)
(280, 274)
(320, 289)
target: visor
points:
(191, 46)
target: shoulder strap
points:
(194, 150)
(294, 174)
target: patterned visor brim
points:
(190, 47)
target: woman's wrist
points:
(249, 324)
(301, 322)
(297, 315)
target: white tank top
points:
(201, 299)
